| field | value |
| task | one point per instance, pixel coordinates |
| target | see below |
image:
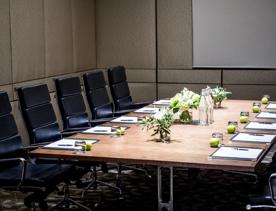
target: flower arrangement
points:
(160, 123)
(219, 94)
(182, 103)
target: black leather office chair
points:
(120, 90)
(72, 105)
(267, 199)
(39, 114)
(97, 96)
(17, 173)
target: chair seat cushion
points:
(41, 175)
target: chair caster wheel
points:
(248, 207)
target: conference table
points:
(189, 146)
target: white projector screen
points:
(234, 34)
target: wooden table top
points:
(189, 147)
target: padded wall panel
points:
(169, 90)
(251, 92)
(126, 33)
(27, 34)
(22, 130)
(9, 90)
(26, 83)
(84, 36)
(189, 76)
(5, 48)
(174, 19)
(59, 37)
(141, 75)
(249, 76)
(142, 91)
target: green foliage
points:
(160, 123)
(219, 94)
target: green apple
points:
(214, 142)
(120, 131)
(243, 119)
(231, 128)
(264, 100)
(256, 109)
(88, 146)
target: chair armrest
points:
(100, 121)
(23, 170)
(122, 112)
(270, 182)
(140, 104)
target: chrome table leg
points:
(164, 205)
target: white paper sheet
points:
(147, 110)
(239, 153)
(99, 130)
(68, 144)
(271, 106)
(126, 119)
(267, 115)
(162, 102)
(254, 137)
(261, 126)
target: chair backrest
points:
(71, 103)
(38, 113)
(97, 95)
(10, 141)
(119, 87)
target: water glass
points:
(219, 136)
(80, 147)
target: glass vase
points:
(186, 117)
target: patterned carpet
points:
(206, 191)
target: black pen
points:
(241, 149)
(65, 145)
(100, 131)
(266, 123)
(256, 134)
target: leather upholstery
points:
(97, 95)
(71, 103)
(120, 90)
(38, 114)
(5, 106)
(37, 175)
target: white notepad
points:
(100, 130)
(147, 110)
(254, 137)
(267, 115)
(126, 119)
(271, 106)
(67, 144)
(162, 102)
(261, 126)
(237, 153)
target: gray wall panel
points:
(59, 38)
(189, 76)
(5, 48)
(126, 33)
(169, 90)
(27, 33)
(249, 77)
(142, 91)
(174, 21)
(251, 92)
(84, 34)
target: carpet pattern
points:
(193, 191)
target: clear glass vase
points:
(186, 117)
